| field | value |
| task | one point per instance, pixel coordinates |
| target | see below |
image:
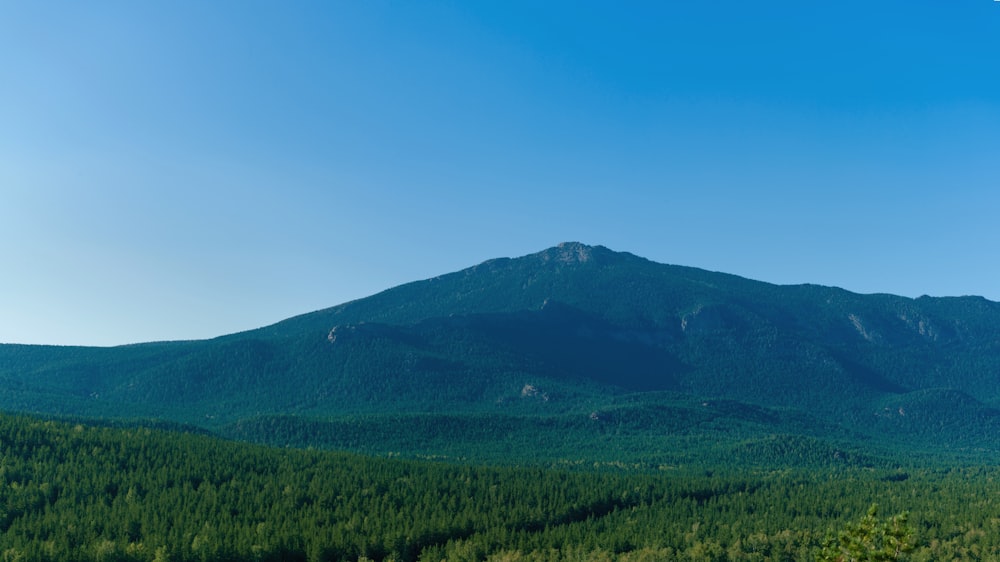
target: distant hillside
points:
(567, 332)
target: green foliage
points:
(559, 335)
(77, 492)
(870, 540)
(88, 493)
(675, 433)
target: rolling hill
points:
(575, 350)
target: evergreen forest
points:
(82, 492)
(574, 404)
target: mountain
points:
(575, 339)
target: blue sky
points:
(180, 170)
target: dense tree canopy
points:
(81, 492)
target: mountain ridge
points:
(584, 326)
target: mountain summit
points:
(565, 331)
(575, 252)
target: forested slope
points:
(73, 492)
(569, 331)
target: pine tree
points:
(870, 540)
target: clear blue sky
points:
(186, 169)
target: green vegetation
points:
(870, 540)
(688, 436)
(586, 405)
(539, 343)
(80, 492)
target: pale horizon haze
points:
(184, 170)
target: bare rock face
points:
(532, 391)
(703, 319)
(574, 252)
(346, 332)
(340, 332)
(863, 329)
(569, 253)
(922, 325)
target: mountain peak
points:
(572, 252)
